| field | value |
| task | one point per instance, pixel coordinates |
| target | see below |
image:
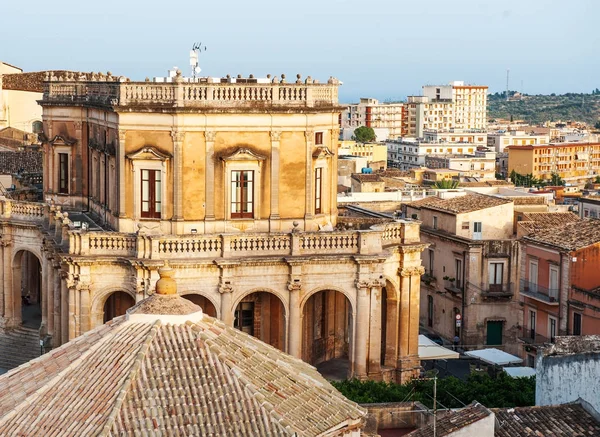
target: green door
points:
(494, 333)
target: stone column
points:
(374, 359)
(310, 139)
(178, 138)
(295, 320)
(120, 182)
(8, 283)
(226, 311)
(404, 313)
(49, 273)
(57, 337)
(2, 294)
(72, 321)
(64, 308)
(362, 329)
(209, 185)
(408, 359)
(44, 294)
(275, 138)
(15, 302)
(84, 309)
(391, 330)
(415, 299)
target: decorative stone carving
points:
(122, 134)
(275, 135)
(361, 283)
(225, 287)
(77, 125)
(178, 136)
(210, 136)
(310, 135)
(294, 285)
(411, 271)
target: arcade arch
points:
(262, 315)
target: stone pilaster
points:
(374, 358)
(361, 336)
(310, 139)
(226, 290)
(408, 359)
(84, 309)
(49, 274)
(275, 153)
(178, 138)
(64, 308)
(295, 320)
(209, 185)
(57, 337)
(121, 173)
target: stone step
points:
(18, 346)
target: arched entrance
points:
(117, 304)
(207, 306)
(327, 333)
(27, 284)
(262, 315)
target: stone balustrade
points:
(121, 92)
(20, 210)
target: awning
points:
(520, 372)
(494, 356)
(428, 350)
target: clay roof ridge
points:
(31, 399)
(133, 373)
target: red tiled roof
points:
(461, 204)
(148, 375)
(570, 236)
(454, 421)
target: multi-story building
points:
(422, 114)
(471, 267)
(589, 207)
(480, 165)
(498, 141)
(229, 181)
(372, 151)
(369, 112)
(560, 283)
(470, 102)
(571, 161)
(410, 153)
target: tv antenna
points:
(197, 48)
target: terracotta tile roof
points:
(561, 420)
(570, 236)
(529, 200)
(535, 221)
(463, 204)
(425, 202)
(148, 375)
(453, 421)
(486, 183)
(18, 162)
(366, 177)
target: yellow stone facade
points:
(278, 270)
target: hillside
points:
(538, 109)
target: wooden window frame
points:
(236, 186)
(154, 190)
(318, 190)
(63, 173)
(318, 138)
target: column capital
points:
(210, 136)
(275, 135)
(411, 271)
(78, 125)
(177, 135)
(225, 288)
(122, 133)
(5, 243)
(310, 135)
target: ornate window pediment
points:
(57, 140)
(149, 153)
(243, 154)
(322, 152)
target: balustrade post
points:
(369, 242)
(295, 237)
(225, 246)
(6, 208)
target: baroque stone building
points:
(233, 183)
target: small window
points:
(465, 226)
(318, 138)
(63, 173)
(576, 324)
(435, 222)
(495, 276)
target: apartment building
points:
(470, 102)
(371, 151)
(422, 114)
(500, 140)
(560, 284)
(589, 207)
(385, 118)
(411, 153)
(480, 165)
(571, 161)
(471, 267)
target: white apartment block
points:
(470, 102)
(422, 115)
(481, 165)
(371, 113)
(499, 140)
(410, 153)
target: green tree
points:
(445, 184)
(597, 125)
(364, 134)
(556, 180)
(597, 181)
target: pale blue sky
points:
(379, 48)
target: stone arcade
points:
(229, 182)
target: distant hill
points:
(538, 109)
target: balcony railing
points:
(498, 290)
(537, 292)
(532, 337)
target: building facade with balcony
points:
(471, 268)
(382, 117)
(573, 162)
(228, 181)
(560, 284)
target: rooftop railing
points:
(119, 91)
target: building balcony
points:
(498, 291)
(539, 293)
(77, 241)
(531, 337)
(453, 287)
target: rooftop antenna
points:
(197, 48)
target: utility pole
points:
(435, 403)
